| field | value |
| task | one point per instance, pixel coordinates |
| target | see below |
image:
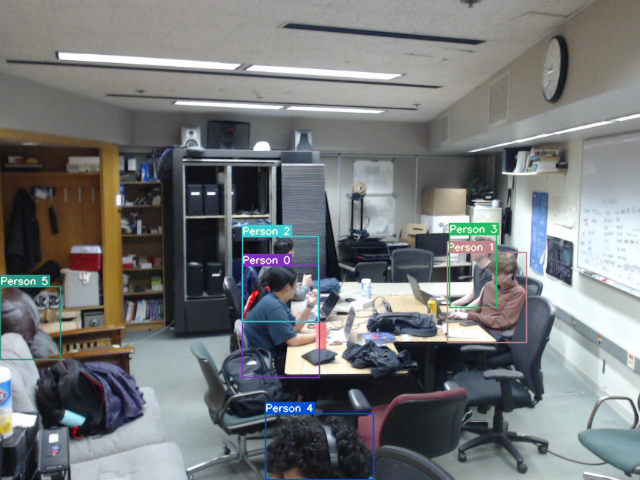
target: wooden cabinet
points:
(84, 205)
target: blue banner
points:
(539, 231)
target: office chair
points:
(241, 338)
(533, 286)
(235, 307)
(508, 249)
(506, 390)
(376, 271)
(617, 447)
(218, 404)
(426, 423)
(417, 263)
(392, 463)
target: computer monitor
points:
(434, 242)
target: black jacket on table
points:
(22, 247)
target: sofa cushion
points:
(146, 430)
(152, 462)
(24, 374)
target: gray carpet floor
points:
(165, 363)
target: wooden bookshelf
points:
(144, 245)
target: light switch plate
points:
(631, 361)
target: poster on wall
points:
(539, 231)
(560, 259)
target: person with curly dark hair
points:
(300, 449)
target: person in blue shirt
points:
(270, 323)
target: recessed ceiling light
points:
(256, 106)
(149, 61)
(334, 109)
(321, 72)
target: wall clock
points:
(554, 73)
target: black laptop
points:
(422, 296)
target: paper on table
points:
(23, 420)
(470, 334)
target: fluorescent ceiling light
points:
(148, 61)
(628, 117)
(334, 109)
(257, 106)
(581, 127)
(321, 72)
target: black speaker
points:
(195, 279)
(194, 199)
(211, 200)
(213, 281)
(230, 135)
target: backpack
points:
(69, 385)
(257, 363)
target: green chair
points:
(218, 404)
(617, 447)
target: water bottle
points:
(6, 425)
(366, 288)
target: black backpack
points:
(69, 385)
(257, 363)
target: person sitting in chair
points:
(285, 246)
(301, 449)
(481, 275)
(270, 323)
(511, 297)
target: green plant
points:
(477, 184)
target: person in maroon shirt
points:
(511, 298)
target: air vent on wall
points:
(444, 128)
(499, 100)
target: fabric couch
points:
(137, 451)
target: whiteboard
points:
(609, 242)
(377, 174)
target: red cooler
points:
(86, 258)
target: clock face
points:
(554, 74)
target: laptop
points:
(422, 296)
(327, 307)
(342, 336)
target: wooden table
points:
(402, 300)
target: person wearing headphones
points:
(303, 447)
(270, 323)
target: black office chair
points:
(506, 390)
(508, 249)
(416, 262)
(235, 308)
(616, 446)
(376, 271)
(393, 463)
(218, 404)
(533, 286)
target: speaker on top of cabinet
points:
(191, 137)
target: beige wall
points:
(33, 107)
(603, 56)
(155, 129)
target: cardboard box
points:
(444, 201)
(410, 231)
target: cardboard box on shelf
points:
(410, 231)
(444, 201)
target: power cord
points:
(148, 337)
(575, 461)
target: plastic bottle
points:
(6, 424)
(366, 288)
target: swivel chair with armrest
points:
(416, 262)
(505, 389)
(439, 415)
(218, 404)
(617, 447)
(393, 463)
(532, 285)
(376, 271)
